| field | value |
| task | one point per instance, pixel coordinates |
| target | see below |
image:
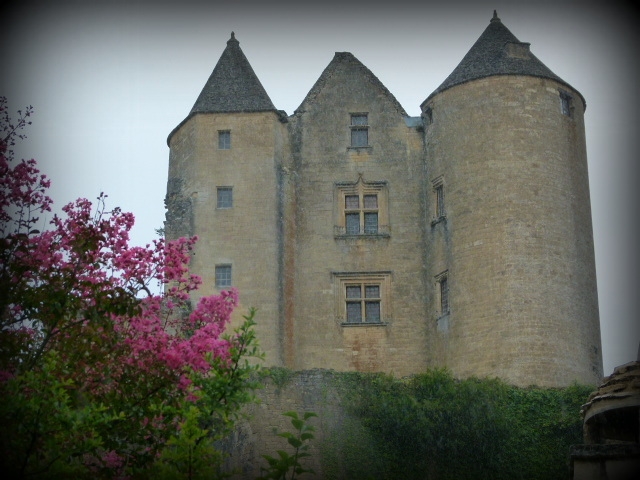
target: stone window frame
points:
(443, 294)
(343, 280)
(361, 188)
(566, 103)
(438, 195)
(357, 125)
(223, 275)
(224, 202)
(224, 139)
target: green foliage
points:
(56, 433)
(220, 394)
(186, 455)
(53, 423)
(279, 375)
(280, 467)
(432, 426)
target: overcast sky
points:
(109, 81)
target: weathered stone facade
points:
(374, 241)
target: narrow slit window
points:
(443, 293)
(566, 104)
(439, 201)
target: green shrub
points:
(433, 426)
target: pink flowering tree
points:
(99, 376)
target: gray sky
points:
(110, 80)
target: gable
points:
(346, 79)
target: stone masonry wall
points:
(306, 391)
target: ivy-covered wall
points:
(428, 426)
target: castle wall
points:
(517, 240)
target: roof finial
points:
(495, 16)
(232, 39)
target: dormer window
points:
(359, 130)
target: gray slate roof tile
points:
(497, 52)
(233, 86)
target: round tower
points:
(223, 187)
(511, 244)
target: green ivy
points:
(433, 426)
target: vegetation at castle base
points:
(432, 426)
(100, 377)
(287, 466)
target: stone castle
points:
(370, 240)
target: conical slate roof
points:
(497, 52)
(233, 86)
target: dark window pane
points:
(223, 275)
(359, 120)
(354, 312)
(225, 197)
(351, 202)
(440, 201)
(353, 291)
(372, 311)
(444, 295)
(224, 140)
(371, 202)
(352, 223)
(371, 222)
(372, 291)
(359, 137)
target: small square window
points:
(224, 140)
(225, 197)
(359, 130)
(223, 276)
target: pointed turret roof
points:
(497, 52)
(233, 85)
